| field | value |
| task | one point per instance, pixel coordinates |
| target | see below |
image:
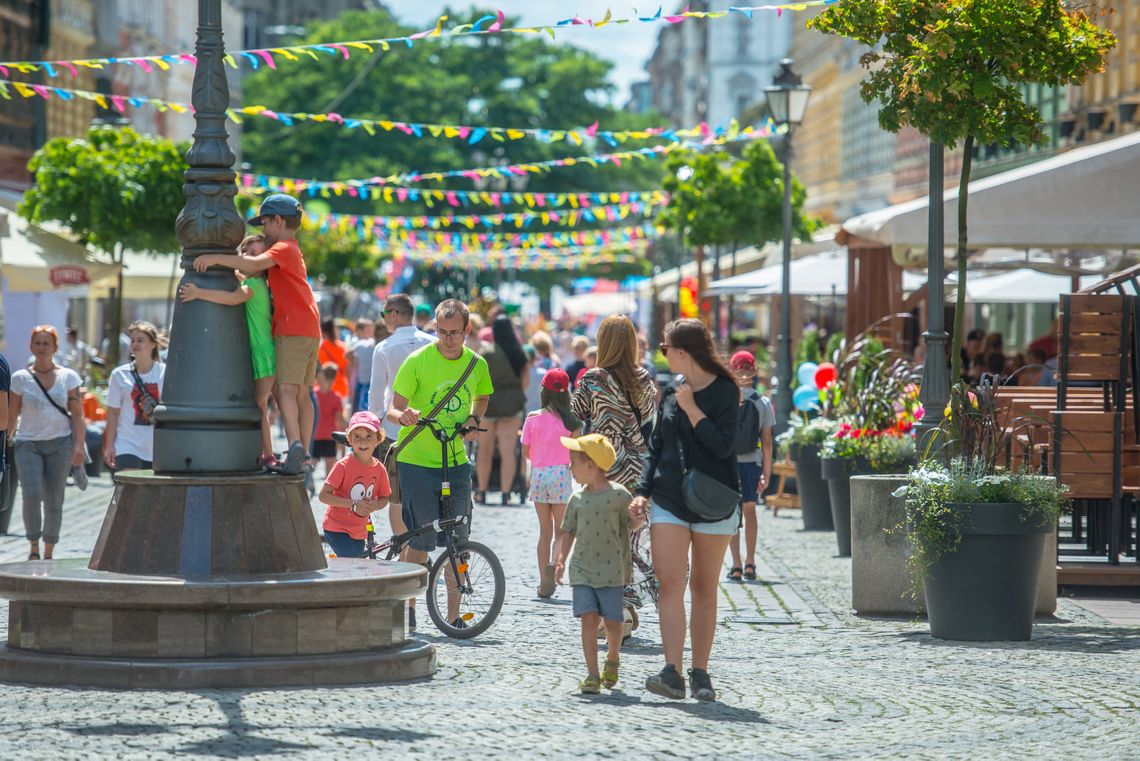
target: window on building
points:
(743, 37)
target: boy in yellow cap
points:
(598, 517)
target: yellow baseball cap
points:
(595, 446)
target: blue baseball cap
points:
(278, 204)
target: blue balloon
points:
(806, 374)
(806, 398)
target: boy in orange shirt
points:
(296, 320)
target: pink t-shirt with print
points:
(542, 433)
(352, 479)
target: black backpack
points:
(747, 425)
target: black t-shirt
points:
(710, 447)
(573, 370)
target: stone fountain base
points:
(233, 624)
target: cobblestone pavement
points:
(799, 676)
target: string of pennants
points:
(499, 241)
(371, 187)
(533, 259)
(519, 220)
(487, 25)
(472, 135)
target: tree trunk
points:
(960, 301)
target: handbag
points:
(78, 472)
(704, 496)
(394, 451)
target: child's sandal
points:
(591, 685)
(750, 572)
(610, 673)
(734, 574)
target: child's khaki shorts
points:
(296, 359)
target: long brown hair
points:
(617, 354)
(694, 338)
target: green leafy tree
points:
(952, 70)
(115, 190)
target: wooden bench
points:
(782, 470)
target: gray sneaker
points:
(294, 459)
(668, 683)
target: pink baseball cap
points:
(364, 419)
(742, 360)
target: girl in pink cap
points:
(356, 487)
(550, 484)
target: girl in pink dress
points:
(550, 484)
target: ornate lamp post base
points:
(219, 584)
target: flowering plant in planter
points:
(887, 450)
(977, 528)
(804, 431)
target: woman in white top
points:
(47, 419)
(133, 392)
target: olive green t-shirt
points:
(599, 522)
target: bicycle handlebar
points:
(461, 430)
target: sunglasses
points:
(665, 349)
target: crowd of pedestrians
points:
(538, 425)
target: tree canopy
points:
(951, 69)
(114, 189)
(722, 199)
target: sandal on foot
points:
(734, 574)
(591, 685)
(33, 556)
(546, 583)
(610, 673)
(750, 571)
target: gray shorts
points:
(608, 602)
(420, 490)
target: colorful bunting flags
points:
(497, 241)
(487, 25)
(702, 133)
(470, 222)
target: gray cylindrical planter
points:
(986, 590)
(880, 577)
(815, 502)
(837, 472)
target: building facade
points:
(714, 71)
(24, 35)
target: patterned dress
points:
(603, 406)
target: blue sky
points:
(627, 45)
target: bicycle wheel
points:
(478, 598)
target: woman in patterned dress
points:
(608, 395)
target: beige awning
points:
(35, 260)
(1085, 198)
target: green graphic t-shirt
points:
(259, 314)
(599, 522)
(423, 379)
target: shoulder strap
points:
(140, 385)
(54, 403)
(441, 404)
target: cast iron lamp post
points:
(787, 100)
(934, 392)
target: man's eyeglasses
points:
(450, 333)
(386, 312)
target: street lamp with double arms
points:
(787, 100)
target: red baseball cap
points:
(556, 379)
(742, 360)
(364, 419)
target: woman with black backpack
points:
(755, 422)
(690, 491)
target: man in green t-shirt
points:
(425, 378)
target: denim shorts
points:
(420, 490)
(607, 602)
(726, 527)
(343, 545)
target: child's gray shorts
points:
(605, 601)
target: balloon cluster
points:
(812, 379)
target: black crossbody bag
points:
(703, 495)
(147, 403)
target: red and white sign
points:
(67, 275)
